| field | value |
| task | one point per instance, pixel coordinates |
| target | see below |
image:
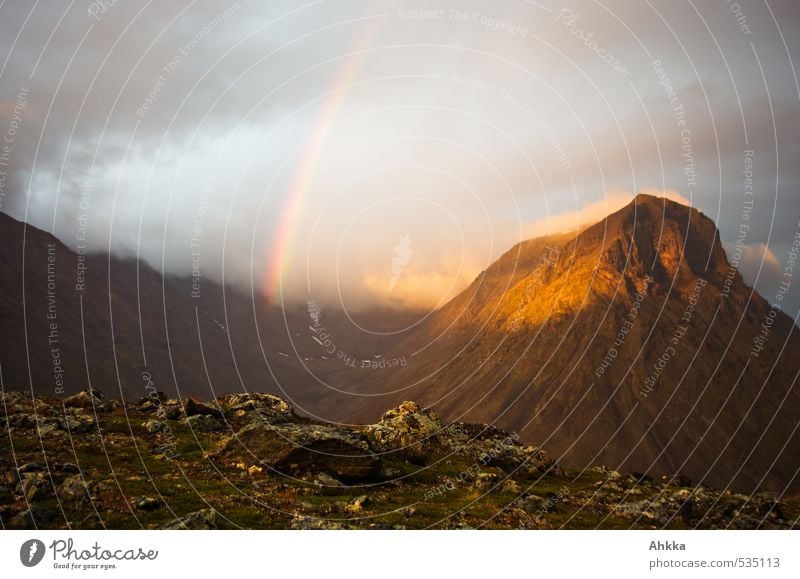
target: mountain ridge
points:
(647, 283)
(612, 344)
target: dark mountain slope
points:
(126, 326)
(631, 343)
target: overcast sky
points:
(377, 152)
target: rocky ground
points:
(248, 461)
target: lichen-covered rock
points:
(153, 426)
(171, 410)
(523, 457)
(35, 489)
(74, 488)
(303, 523)
(32, 466)
(260, 407)
(534, 504)
(47, 427)
(510, 486)
(198, 520)
(486, 481)
(36, 516)
(636, 510)
(68, 468)
(357, 504)
(163, 408)
(77, 422)
(489, 446)
(21, 421)
(146, 503)
(150, 403)
(299, 467)
(406, 431)
(325, 481)
(204, 423)
(303, 448)
(194, 408)
(90, 400)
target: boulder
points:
(534, 504)
(146, 503)
(406, 431)
(303, 448)
(198, 520)
(635, 510)
(77, 422)
(357, 504)
(257, 406)
(194, 408)
(204, 423)
(47, 427)
(171, 410)
(23, 421)
(153, 426)
(515, 456)
(390, 474)
(35, 489)
(304, 523)
(486, 481)
(325, 481)
(157, 396)
(146, 405)
(74, 488)
(489, 446)
(150, 403)
(325, 484)
(468, 432)
(34, 517)
(31, 467)
(90, 400)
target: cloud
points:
(593, 212)
(422, 288)
(762, 269)
(454, 133)
(759, 266)
(758, 256)
(670, 194)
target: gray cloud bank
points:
(305, 143)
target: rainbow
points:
(281, 241)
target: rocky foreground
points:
(248, 461)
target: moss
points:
(440, 494)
